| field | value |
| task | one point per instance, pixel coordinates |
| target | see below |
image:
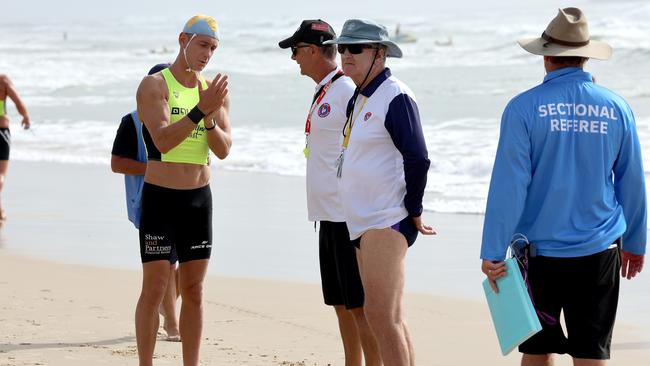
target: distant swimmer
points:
(162, 50)
(185, 116)
(568, 175)
(7, 89)
(446, 43)
(401, 37)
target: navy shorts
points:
(339, 270)
(175, 223)
(586, 290)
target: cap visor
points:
(287, 42)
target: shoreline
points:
(76, 214)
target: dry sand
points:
(62, 314)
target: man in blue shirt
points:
(568, 175)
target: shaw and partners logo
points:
(151, 245)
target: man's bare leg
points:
(168, 307)
(4, 164)
(192, 274)
(407, 334)
(588, 362)
(349, 336)
(154, 283)
(368, 342)
(382, 273)
(537, 360)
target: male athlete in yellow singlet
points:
(185, 116)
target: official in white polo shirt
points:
(341, 283)
(383, 168)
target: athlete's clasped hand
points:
(213, 98)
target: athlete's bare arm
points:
(122, 165)
(220, 139)
(154, 112)
(13, 95)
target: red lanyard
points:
(315, 104)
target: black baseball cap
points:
(310, 31)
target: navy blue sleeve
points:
(126, 139)
(404, 127)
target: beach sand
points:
(262, 303)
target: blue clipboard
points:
(513, 315)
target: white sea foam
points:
(461, 153)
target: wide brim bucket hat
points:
(362, 31)
(567, 35)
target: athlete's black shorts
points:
(175, 219)
(5, 143)
(586, 290)
(339, 270)
(405, 227)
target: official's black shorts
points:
(406, 227)
(5, 143)
(174, 219)
(339, 270)
(586, 289)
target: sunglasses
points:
(294, 49)
(354, 49)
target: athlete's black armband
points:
(195, 115)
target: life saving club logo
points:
(324, 110)
(367, 116)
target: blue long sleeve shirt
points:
(568, 171)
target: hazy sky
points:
(18, 11)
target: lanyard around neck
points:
(347, 130)
(319, 98)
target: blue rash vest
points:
(568, 171)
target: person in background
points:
(7, 89)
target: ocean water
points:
(463, 68)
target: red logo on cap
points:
(320, 27)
